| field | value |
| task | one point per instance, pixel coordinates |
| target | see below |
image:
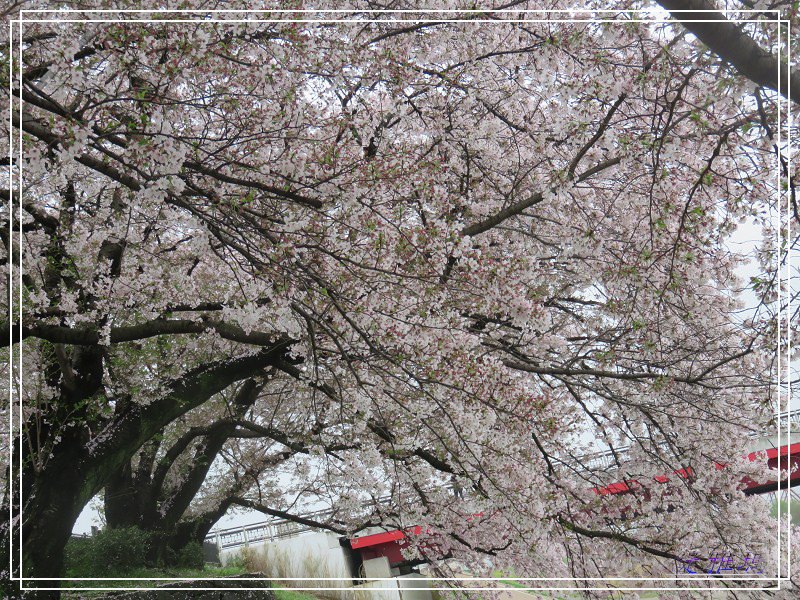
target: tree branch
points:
(734, 46)
(609, 535)
(287, 516)
(134, 426)
(88, 336)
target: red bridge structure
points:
(785, 460)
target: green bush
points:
(190, 556)
(110, 552)
(76, 556)
(121, 551)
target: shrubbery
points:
(123, 550)
(190, 556)
(111, 551)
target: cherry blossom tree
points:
(473, 248)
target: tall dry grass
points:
(277, 563)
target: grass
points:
(550, 594)
(287, 595)
(128, 579)
(207, 571)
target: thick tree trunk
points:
(54, 503)
(8, 589)
(121, 500)
(196, 529)
(54, 497)
(169, 542)
(735, 46)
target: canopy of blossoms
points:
(441, 249)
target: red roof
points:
(365, 541)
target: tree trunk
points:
(120, 502)
(49, 512)
(196, 529)
(78, 470)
